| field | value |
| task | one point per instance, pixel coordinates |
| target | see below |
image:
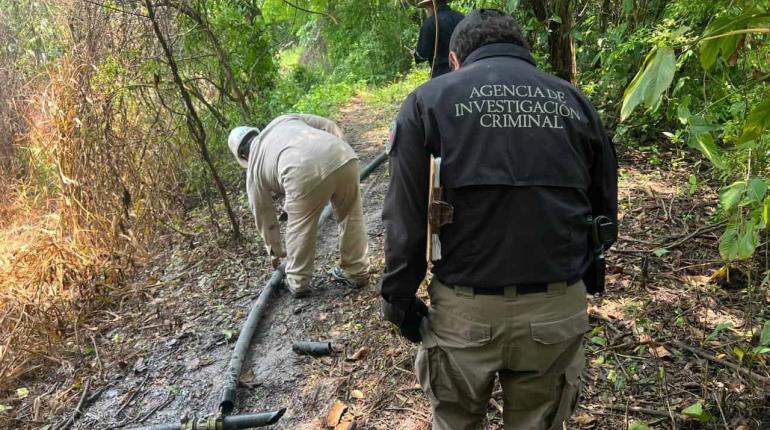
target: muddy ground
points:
(200, 292)
(163, 353)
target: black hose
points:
(317, 349)
(234, 422)
(251, 421)
(242, 346)
(244, 340)
(255, 314)
(373, 165)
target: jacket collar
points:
(500, 50)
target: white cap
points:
(236, 137)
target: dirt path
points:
(172, 352)
(167, 350)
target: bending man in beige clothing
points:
(305, 158)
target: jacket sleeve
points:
(603, 191)
(405, 209)
(261, 205)
(322, 123)
(426, 41)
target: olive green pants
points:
(342, 189)
(532, 342)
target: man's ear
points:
(454, 60)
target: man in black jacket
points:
(447, 21)
(526, 166)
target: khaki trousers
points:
(531, 342)
(342, 189)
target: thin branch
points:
(217, 115)
(194, 123)
(219, 88)
(641, 410)
(707, 356)
(78, 409)
(311, 11)
(736, 32)
(115, 9)
(202, 21)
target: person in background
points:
(306, 159)
(526, 168)
(447, 21)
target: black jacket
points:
(525, 163)
(447, 21)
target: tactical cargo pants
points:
(531, 342)
(342, 189)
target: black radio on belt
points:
(602, 234)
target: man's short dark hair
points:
(483, 27)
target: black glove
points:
(407, 317)
(410, 327)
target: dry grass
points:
(95, 187)
(49, 283)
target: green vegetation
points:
(716, 75)
(104, 144)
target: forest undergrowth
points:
(113, 117)
(663, 350)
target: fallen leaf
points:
(357, 394)
(649, 191)
(584, 419)
(645, 339)
(660, 352)
(697, 280)
(139, 366)
(193, 364)
(22, 392)
(697, 411)
(360, 354)
(335, 413)
(718, 274)
(247, 378)
(696, 333)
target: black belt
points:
(520, 288)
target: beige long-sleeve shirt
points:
(291, 156)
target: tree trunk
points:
(194, 123)
(560, 43)
(605, 15)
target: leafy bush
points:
(702, 85)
